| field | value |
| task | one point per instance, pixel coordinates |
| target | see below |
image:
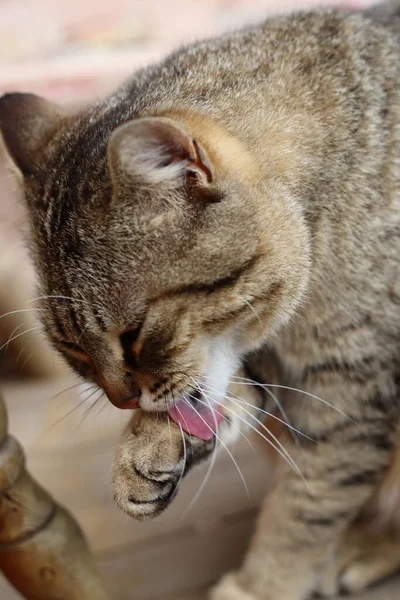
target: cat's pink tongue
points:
(201, 424)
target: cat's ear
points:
(26, 122)
(157, 151)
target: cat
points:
(237, 207)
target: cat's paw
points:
(365, 572)
(229, 589)
(364, 559)
(152, 457)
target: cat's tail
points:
(385, 12)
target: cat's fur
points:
(244, 191)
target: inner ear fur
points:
(156, 150)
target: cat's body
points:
(244, 192)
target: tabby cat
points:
(238, 206)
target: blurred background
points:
(73, 52)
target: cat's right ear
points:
(156, 151)
(26, 123)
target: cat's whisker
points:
(273, 436)
(184, 448)
(222, 443)
(218, 412)
(13, 332)
(77, 406)
(272, 416)
(72, 387)
(19, 356)
(21, 310)
(92, 392)
(229, 398)
(184, 420)
(86, 413)
(103, 405)
(38, 343)
(204, 482)
(215, 451)
(283, 453)
(279, 448)
(178, 409)
(247, 381)
(54, 297)
(293, 389)
(46, 431)
(253, 310)
(278, 404)
(170, 431)
(178, 483)
(15, 337)
(27, 359)
(265, 412)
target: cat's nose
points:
(123, 400)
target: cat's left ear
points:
(157, 151)
(26, 123)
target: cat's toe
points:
(364, 573)
(229, 589)
(149, 466)
(355, 578)
(364, 558)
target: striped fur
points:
(239, 204)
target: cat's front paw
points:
(152, 457)
(229, 589)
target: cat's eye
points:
(129, 337)
(75, 350)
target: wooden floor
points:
(175, 557)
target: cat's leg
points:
(369, 550)
(304, 518)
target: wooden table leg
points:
(42, 550)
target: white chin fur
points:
(222, 365)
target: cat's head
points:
(163, 251)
